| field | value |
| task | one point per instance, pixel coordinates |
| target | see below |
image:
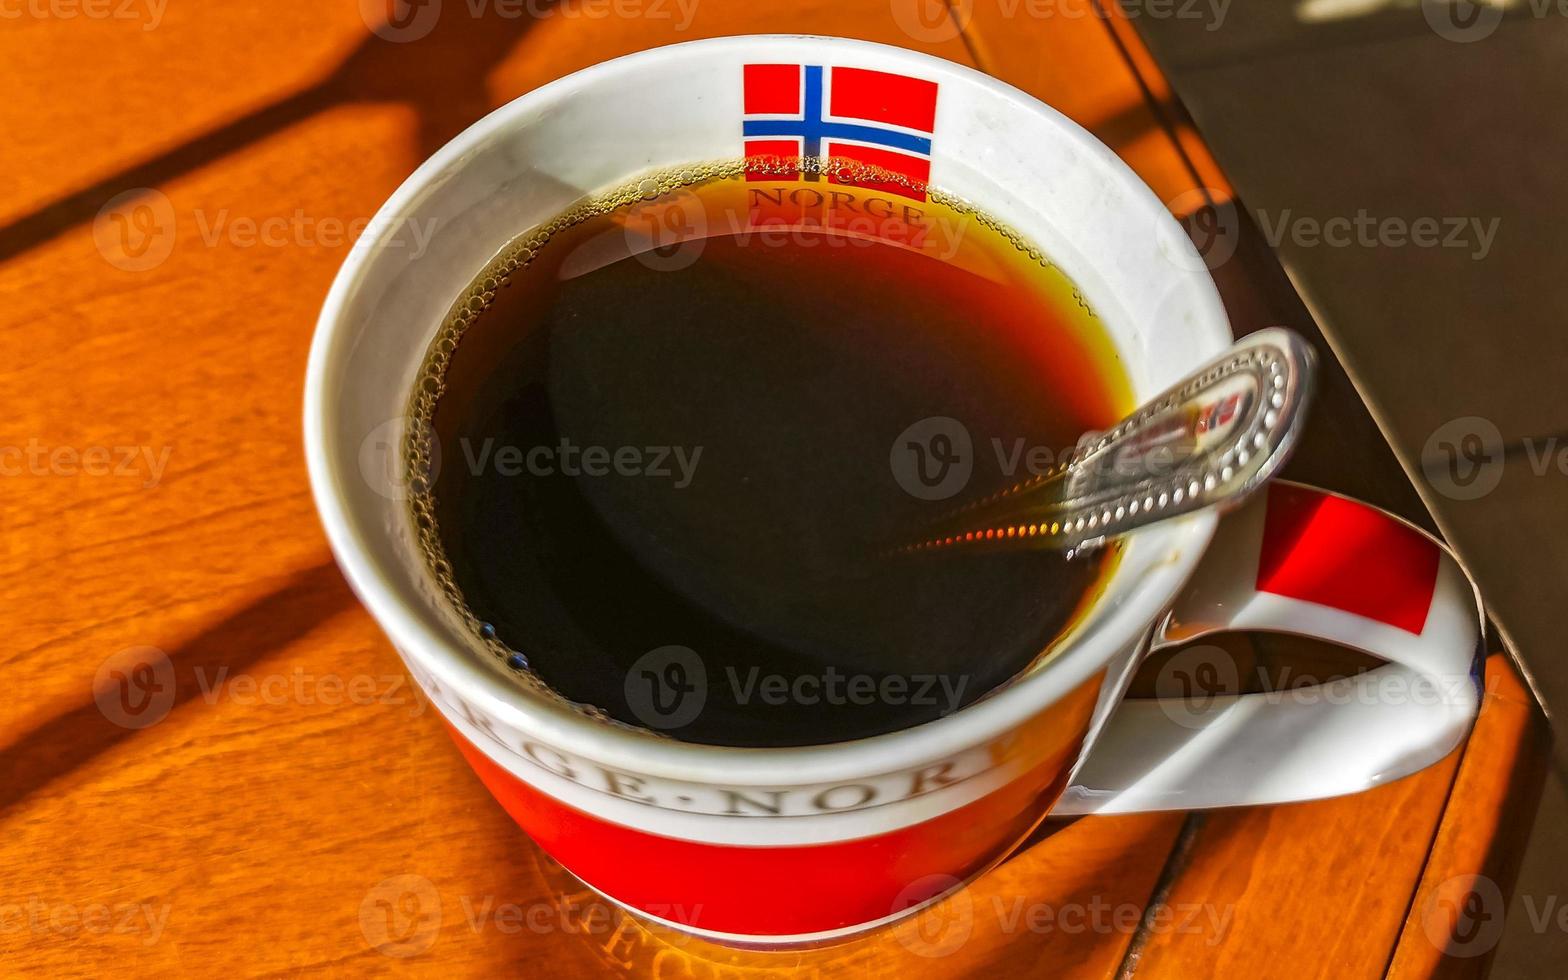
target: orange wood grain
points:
(1204, 169)
(291, 806)
(1312, 889)
(1351, 887)
(1456, 917)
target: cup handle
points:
(1302, 561)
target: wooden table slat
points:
(1456, 916)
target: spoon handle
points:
(1208, 441)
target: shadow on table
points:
(57, 747)
(442, 76)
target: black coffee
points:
(680, 430)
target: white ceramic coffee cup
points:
(800, 844)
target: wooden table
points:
(263, 792)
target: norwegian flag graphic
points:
(872, 117)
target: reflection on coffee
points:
(678, 425)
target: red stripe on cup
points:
(1318, 548)
(774, 891)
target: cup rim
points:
(459, 668)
